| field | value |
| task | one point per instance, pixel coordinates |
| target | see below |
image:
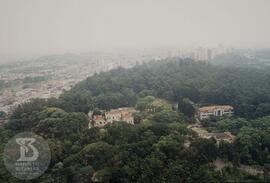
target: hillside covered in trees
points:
(247, 89)
(155, 149)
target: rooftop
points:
(210, 109)
(121, 110)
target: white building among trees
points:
(215, 110)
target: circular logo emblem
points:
(27, 156)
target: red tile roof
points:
(210, 109)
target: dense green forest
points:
(247, 89)
(154, 149)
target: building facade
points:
(216, 110)
(120, 114)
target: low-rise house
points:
(215, 110)
(113, 115)
(128, 118)
(120, 114)
(99, 121)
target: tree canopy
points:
(155, 148)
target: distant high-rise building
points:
(202, 54)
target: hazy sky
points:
(57, 26)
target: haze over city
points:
(60, 26)
(134, 91)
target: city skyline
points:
(52, 27)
